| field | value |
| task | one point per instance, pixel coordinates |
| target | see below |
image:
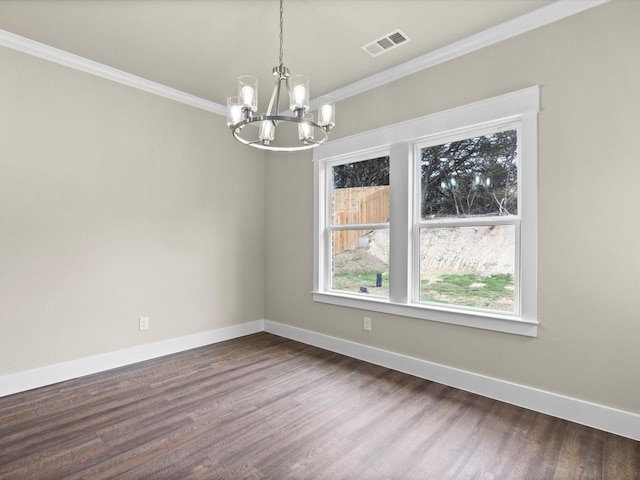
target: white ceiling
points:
(201, 46)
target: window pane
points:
(360, 261)
(472, 177)
(361, 192)
(468, 266)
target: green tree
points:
(366, 173)
(474, 176)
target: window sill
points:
(486, 321)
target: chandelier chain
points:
(281, 34)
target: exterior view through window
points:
(434, 218)
(360, 227)
(467, 225)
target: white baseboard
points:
(611, 420)
(40, 377)
(615, 421)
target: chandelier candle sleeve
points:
(305, 129)
(267, 131)
(299, 88)
(248, 92)
(234, 110)
(326, 112)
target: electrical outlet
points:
(366, 323)
(144, 323)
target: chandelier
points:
(275, 130)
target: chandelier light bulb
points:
(234, 110)
(248, 92)
(247, 96)
(326, 112)
(299, 92)
(236, 113)
(298, 95)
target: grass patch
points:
(351, 282)
(470, 290)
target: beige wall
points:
(116, 204)
(589, 177)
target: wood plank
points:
(263, 406)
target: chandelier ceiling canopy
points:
(279, 130)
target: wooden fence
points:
(354, 206)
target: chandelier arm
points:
(275, 98)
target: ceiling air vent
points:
(386, 43)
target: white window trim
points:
(398, 139)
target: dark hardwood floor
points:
(264, 407)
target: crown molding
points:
(540, 17)
(62, 57)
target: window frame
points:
(400, 141)
(418, 223)
(329, 226)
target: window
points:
(468, 220)
(435, 223)
(359, 226)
